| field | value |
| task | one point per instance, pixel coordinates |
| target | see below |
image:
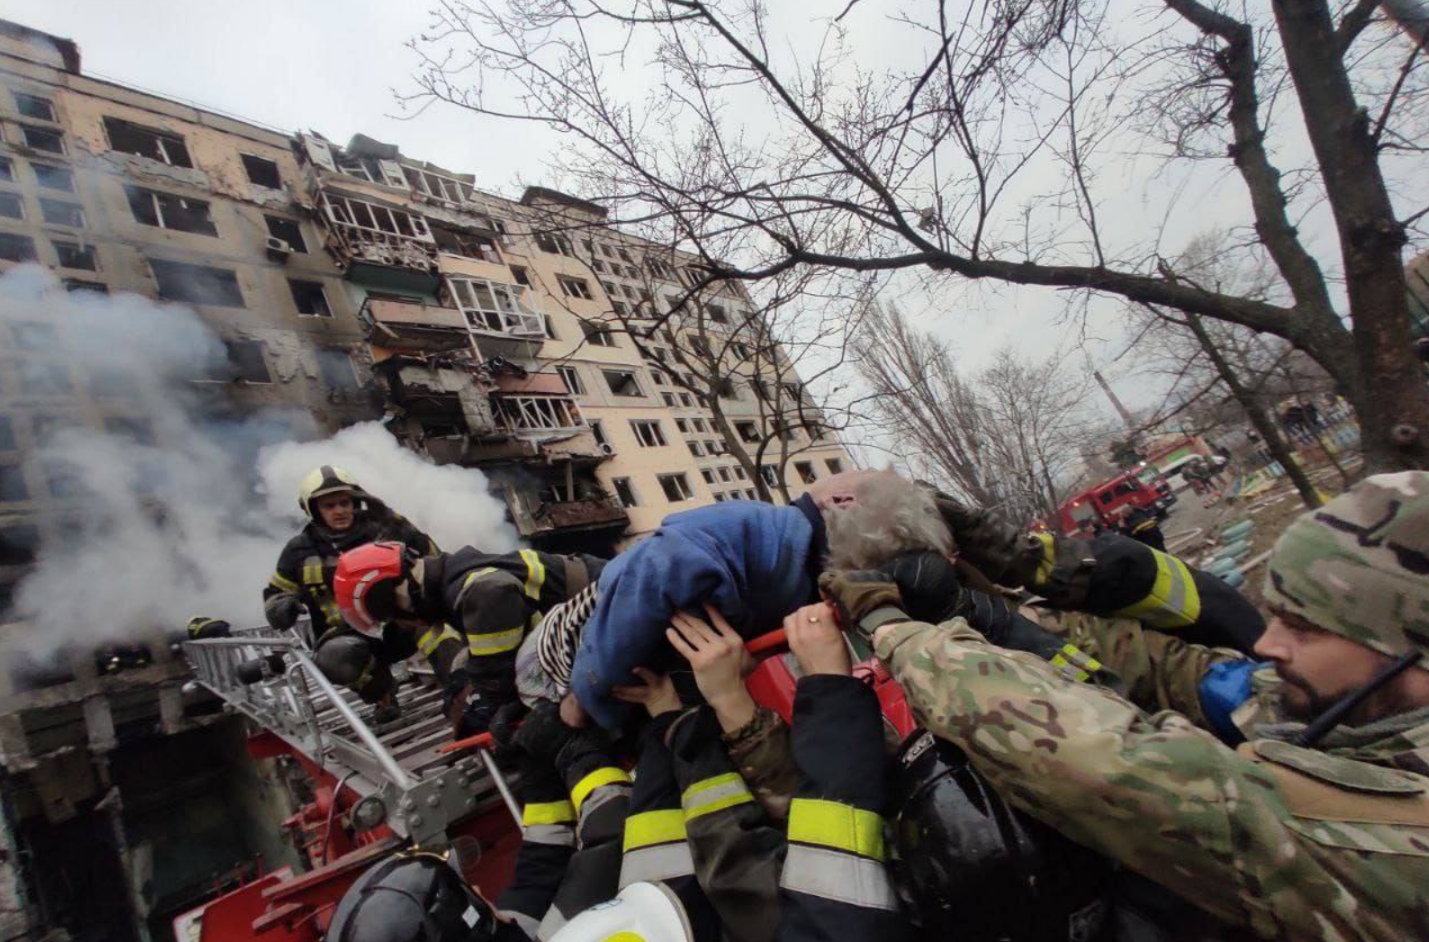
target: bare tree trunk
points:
(1259, 416)
(1388, 391)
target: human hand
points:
(656, 692)
(863, 599)
(815, 638)
(282, 612)
(716, 655)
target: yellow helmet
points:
(328, 479)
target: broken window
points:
(309, 298)
(701, 347)
(597, 335)
(246, 357)
(572, 378)
(262, 171)
(438, 186)
(61, 213)
(554, 244)
(7, 170)
(138, 431)
(624, 492)
(520, 275)
(575, 287)
(648, 432)
(598, 430)
(17, 248)
(168, 211)
(11, 206)
(51, 142)
(492, 306)
(337, 370)
(33, 106)
(51, 177)
(542, 413)
(806, 471)
(835, 465)
(361, 168)
(622, 382)
(467, 245)
(676, 487)
(78, 284)
(162, 146)
(739, 350)
(748, 432)
(12, 483)
(372, 218)
(289, 231)
(196, 284)
(770, 474)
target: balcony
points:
(414, 326)
(377, 245)
(584, 514)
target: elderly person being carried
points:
(753, 562)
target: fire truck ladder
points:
(403, 778)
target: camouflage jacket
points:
(1290, 843)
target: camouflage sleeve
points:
(1156, 671)
(1152, 792)
(762, 752)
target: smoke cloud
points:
(175, 507)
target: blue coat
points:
(755, 562)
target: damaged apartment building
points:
(349, 283)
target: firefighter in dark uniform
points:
(341, 515)
(492, 599)
(1142, 526)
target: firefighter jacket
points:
(1114, 575)
(569, 858)
(493, 600)
(835, 882)
(308, 561)
(696, 827)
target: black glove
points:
(929, 586)
(282, 611)
(504, 724)
(476, 716)
(574, 752)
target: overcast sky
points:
(333, 65)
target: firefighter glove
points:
(504, 724)
(282, 611)
(1004, 552)
(865, 599)
(929, 586)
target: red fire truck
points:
(1107, 503)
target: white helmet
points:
(324, 480)
(646, 911)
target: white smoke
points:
(191, 520)
(449, 503)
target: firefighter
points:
(342, 515)
(491, 599)
(1142, 525)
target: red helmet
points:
(366, 584)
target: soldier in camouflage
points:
(1317, 827)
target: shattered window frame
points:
(598, 335)
(648, 433)
(148, 208)
(473, 245)
(624, 492)
(166, 147)
(676, 486)
(220, 286)
(67, 252)
(493, 306)
(344, 212)
(338, 369)
(47, 174)
(575, 287)
(805, 470)
(248, 356)
(617, 380)
(25, 103)
(17, 248)
(289, 230)
(63, 213)
(553, 244)
(597, 431)
(304, 292)
(252, 161)
(575, 384)
(46, 140)
(439, 186)
(835, 465)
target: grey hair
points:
(889, 517)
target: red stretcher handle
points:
(766, 642)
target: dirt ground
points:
(1271, 512)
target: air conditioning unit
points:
(278, 249)
(607, 449)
